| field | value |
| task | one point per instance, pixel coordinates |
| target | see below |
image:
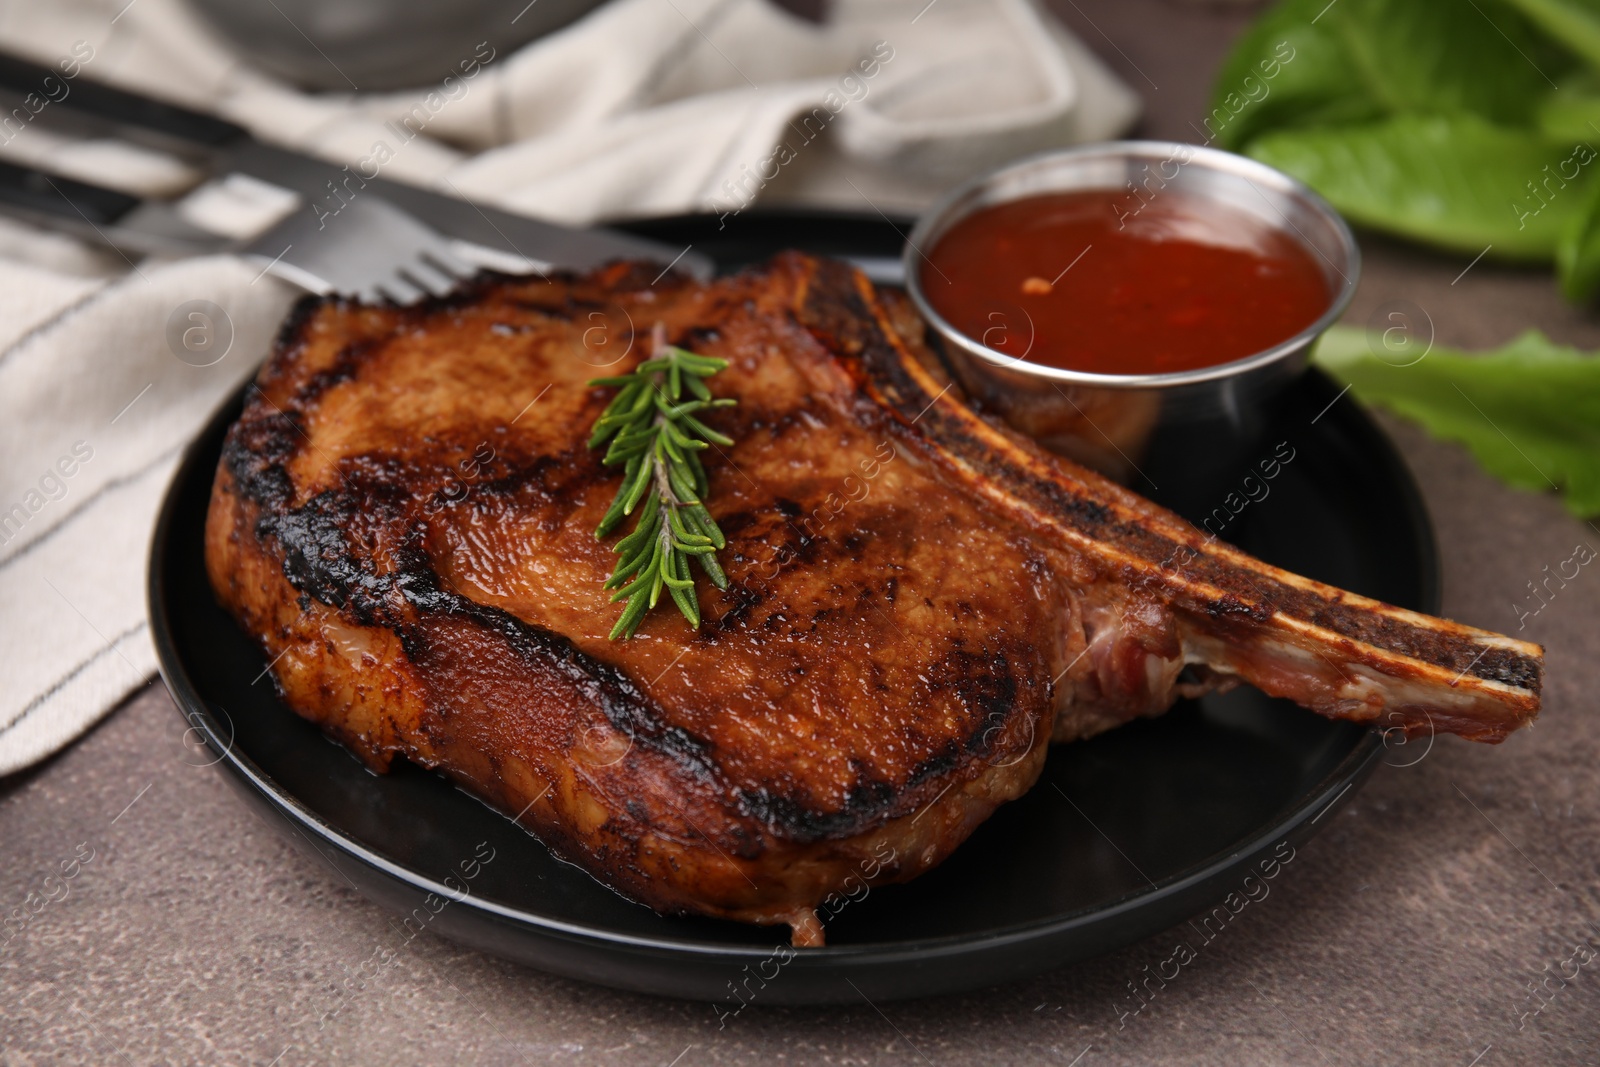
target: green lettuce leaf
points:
(1285, 72)
(1433, 119)
(1572, 113)
(1578, 252)
(1575, 23)
(1457, 182)
(1311, 63)
(1529, 411)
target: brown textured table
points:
(1408, 932)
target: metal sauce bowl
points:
(1125, 408)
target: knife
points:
(220, 148)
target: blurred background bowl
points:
(372, 45)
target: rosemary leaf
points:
(652, 429)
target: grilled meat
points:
(919, 601)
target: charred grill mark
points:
(991, 690)
(747, 420)
(293, 329)
(985, 682)
(257, 452)
(1228, 604)
(564, 306)
(944, 761)
(699, 338)
(863, 805)
(547, 478)
(834, 307)
(316, 559)
(745, 601)
(346, 364)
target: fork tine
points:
(399, 289)
(371, 248)
(442, 256)
(429, 277)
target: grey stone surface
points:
(1407, 932)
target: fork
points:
(368, 247)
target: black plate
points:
(1124, 836)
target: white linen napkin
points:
(644, 107)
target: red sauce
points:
(1087, 281)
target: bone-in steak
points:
(920, 600)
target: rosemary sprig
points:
(655, 432)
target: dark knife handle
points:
(31, 192)
(116, 106)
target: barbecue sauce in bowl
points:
(1089, 281)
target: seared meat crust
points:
(919, 600)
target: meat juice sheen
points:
(1076, 280)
